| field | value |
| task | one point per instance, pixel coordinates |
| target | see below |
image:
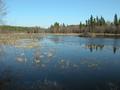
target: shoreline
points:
(66, 34)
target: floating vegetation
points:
(62, 61)
(37, 61)
(93, 65)
(61, 64)
(84, 62)
(50, 54)
(75, 65)
(47, 84)
(26, 43)
(37, 56)
(41, 56)
(21, 58)
(66, 64)
(7, 41)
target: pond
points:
(58, 62)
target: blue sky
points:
(45, 12)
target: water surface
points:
(57, 62)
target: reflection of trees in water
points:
(99, 44)
(115, 49)
(56, 39)
(100, 47)
(94, 44)
(95, 47)
(115, 45)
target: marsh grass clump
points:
(91, 63)
(37, 57)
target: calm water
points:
(60, 63)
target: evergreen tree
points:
(80, 26)
(94, 21)
(91, 20)
(102, 21)
(86, 23)
(56, 27)
(97, 20)
(115, 20)
(119, 21)
(91, 23)
(63, 25)
(116, 23)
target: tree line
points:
(92, 25)
(20, 29)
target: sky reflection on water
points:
(60, 63)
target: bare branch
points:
(2, 10)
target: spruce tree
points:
(115, 20)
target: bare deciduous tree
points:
(2, 10)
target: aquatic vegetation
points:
(50, 54)
(62, 61)
(61, 64)
(93, 65)
(37, 56)
(41, 56)
(67, 64)
(37, 61)
(50, 85)
(26, 43)
(21, 58)
(83, 62)
(75, 65)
